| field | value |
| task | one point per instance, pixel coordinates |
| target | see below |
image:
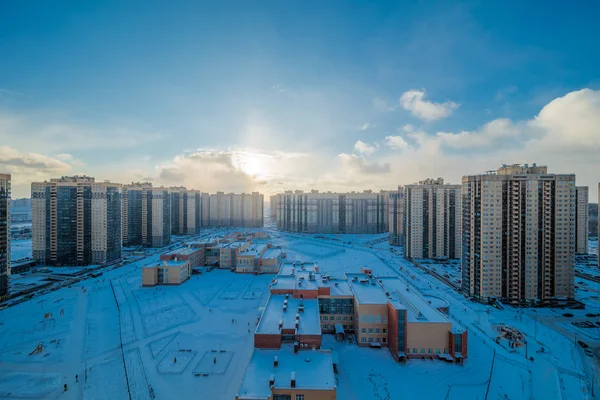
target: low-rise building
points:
(286, 319)
(289, 374)
(381, 311)
(170, 272)
(194, 255)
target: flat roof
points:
(313, 369)
(253, 250)
(310, 323)
(419, 309)
(366, 289)
(173, 263)
(272, 253)
(285, 282)
(287, 266)
(184, 251)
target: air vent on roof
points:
(300, 308)
(272, 380)
(276, 361)
(293, 379)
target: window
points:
(384, 330)
(377, 330)
(299, 397)
(370, 330)
(363, 330)
(384, 340)
(364, 318)
(422, 351)
(363, 340)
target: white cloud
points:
(396, 142)
(358, 164)
(382, 105)
(408, 128)
(414, 101)
(364, 148)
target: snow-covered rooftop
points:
(419, 309)
(289, 267)
(254, 250)
(271, 253)
(310, 323)
(366, 289)
(313, 369)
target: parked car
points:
(588, 353)
(583, 344)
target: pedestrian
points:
(174, 360)
(65, 387)
(215, 360)
(76, 378)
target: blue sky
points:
(274, 95)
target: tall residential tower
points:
(76, 221)
(146, 215)
(433, 220)
(518, 235)
(581, 232)
(4, 237)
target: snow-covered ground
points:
(20, 249)
(118, 337)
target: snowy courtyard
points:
(194, 341)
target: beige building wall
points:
(581, 232)
(427, 338)
(149, 276)
(371, 323)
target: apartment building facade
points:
(519, 235)
(432, 217)
(76, 221)
(581, 231)
(396, 220)
(146, 215)
(328, 212)
(5, 188)
(230, 209)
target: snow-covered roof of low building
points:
(273, 314)
(285, 282)
(290, 267)
(271, 253)
(253, 250)
(174, 263)
(418, 308)
(312, 370)
(366, 290)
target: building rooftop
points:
(183, 251)
(312, 369)
(366, 289)
(173, 263)
(272, 253)
(273, 314)
(419, 308)
(289, 267)
(254, 250)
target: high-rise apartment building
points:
(328, 212)
(518, 235)
(146, 215)
(4, 237)
(229, 209)
(193, 212)
(581, 232)
(136, 201)
(76, 221)
(396, 216)
(432, 215)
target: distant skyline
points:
(266, 96)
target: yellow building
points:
(171, 272)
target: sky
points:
(268, 96)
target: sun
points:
(253, 165)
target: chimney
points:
(276, 361)
(272, 380)
(293, 379)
